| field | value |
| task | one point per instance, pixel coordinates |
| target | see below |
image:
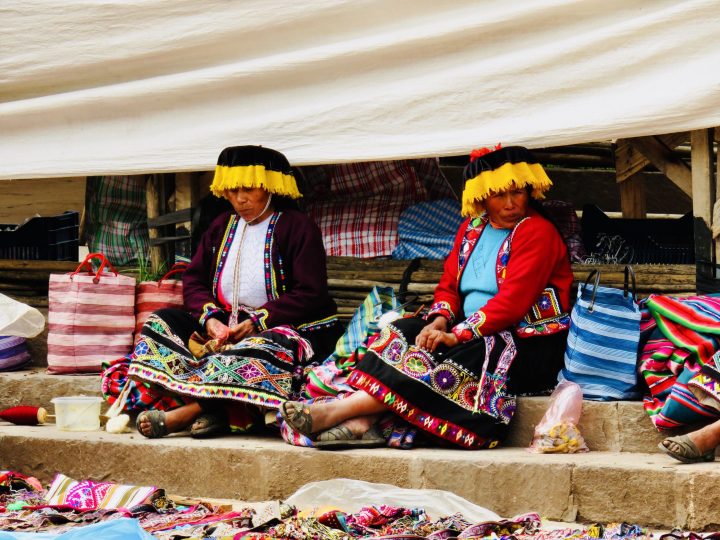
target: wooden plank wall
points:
(21, 199)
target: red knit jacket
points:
(534, 257)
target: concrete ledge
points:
(36, 387)
(649, 489)
(616, 426)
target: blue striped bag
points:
(13, 353)
(602, 347)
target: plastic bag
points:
(351, 495)
(18, 319)
(557, 432)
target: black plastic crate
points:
(42, 238)
(637, 241)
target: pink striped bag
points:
(91, 318)
(154, 295)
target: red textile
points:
(358, 205)
(538, 259)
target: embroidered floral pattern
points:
(445, 379)
(437, 426)
(394, 352)
(417, 364)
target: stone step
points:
(617, 426)
(648, 489)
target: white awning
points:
(137, 86)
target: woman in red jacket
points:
(498, 326)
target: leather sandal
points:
(158, 427)
(297, 415)
(341, 436)
(209, 425)
(684, 450)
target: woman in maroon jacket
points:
(257, 303)
(497, 328)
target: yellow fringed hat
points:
(494, 171)
(254, 167)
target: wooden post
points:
(628, 165)
(155, 190)
(632, 198)
(704, 197)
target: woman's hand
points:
(242, 330)
(434, 334)
(217, 330)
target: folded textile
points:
(684, 333)
(92, 495)
(428, 229)
(141, 397)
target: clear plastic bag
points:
(351, 495)
(18, 319)
(557, 432)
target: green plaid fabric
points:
(116, 217)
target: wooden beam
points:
(703, 184)
(704, 196)
(629, 160)
(632, 198)
(661, 156)
(155, 191)
(172, 218)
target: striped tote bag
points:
(154, 295)
(602, 347)
(91, 317)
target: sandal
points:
(209, 425)
(341, 436)
(297, 416)
(685, 450)
(158, 427)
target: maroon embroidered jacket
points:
(295, 274)
(532, 258)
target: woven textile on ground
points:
(91, 495)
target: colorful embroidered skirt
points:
(259, 370)
(464, 395)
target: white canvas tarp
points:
(131, 86)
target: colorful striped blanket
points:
(684, 332)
